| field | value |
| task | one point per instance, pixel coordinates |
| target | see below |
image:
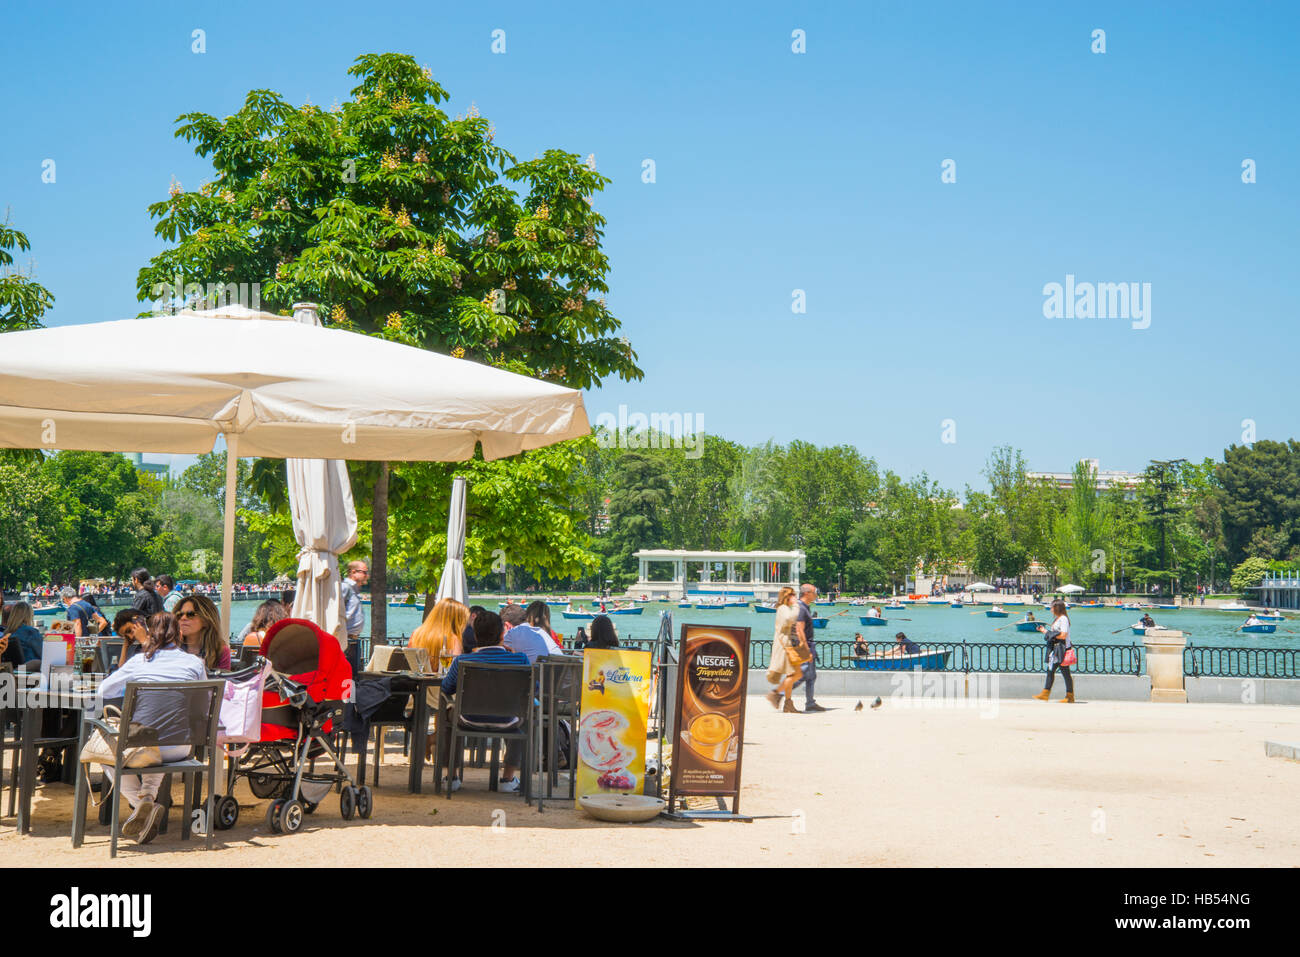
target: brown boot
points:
(1068, 699)
(1042, 695)
(790, 708)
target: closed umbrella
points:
(325, 525)
(272, 387)
(453, 583)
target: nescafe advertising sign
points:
(712, 678)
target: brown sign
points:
(713, 667)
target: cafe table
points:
(417, 685)
(32, 695)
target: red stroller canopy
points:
(309, 656)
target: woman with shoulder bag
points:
(789, 652)
(1060, 653)
(161, 659)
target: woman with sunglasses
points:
(200, 624)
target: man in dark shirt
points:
(81, 613)
(488, 632)
(803, 624)
(906, 646)
(146, 600)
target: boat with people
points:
(1029, 625)
(1269, 615)
(1234, 606)
(820, 622)
(1259, 629)
(47, 609)
(956, 604)
(933, 660)
(765, 609)
(996, 612)
(1129, 606)
(872, 619)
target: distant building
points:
(1106, 479)
(156, 469)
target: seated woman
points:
(161, 659)
(603, 634)
(441, 635)
(200, 625)
(860, 646)
(20, 641)
(267, 614)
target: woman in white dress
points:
(782, 671)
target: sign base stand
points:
(711, 814)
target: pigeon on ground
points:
(875, 704)
(858, 706)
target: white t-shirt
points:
(1062, 624)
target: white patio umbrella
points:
(452, 584)
(980, 586)
(1070, 589)
(325, 525)
(272, 387)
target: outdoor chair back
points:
(497, 690)
(168, 714)
(504, 695)
(108, 651)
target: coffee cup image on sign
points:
(712, 736)
(600, 742)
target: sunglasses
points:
(187, 614)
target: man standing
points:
(804, 626)
(165, 586)
(146, 600)
(80, 613)
(354, 614)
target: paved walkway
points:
(1094, 784)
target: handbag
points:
(797, 651)
(1070, 659)
(99, 750)
(241, 709)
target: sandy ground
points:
(1095, 784)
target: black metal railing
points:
(1241, 662)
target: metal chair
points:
(560, 693)
(504, 691)
(108, 651)
(162, 714)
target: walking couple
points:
(794, 651)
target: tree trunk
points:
(428, 605)
(379, 559)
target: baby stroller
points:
(307, 678)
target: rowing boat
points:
(925, 660)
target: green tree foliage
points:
(1260, 496)
(403, 222)
(31, 526)
(1249, 573)
(22, 299)
(638, 499)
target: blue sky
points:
(779, 171)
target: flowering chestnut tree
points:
(402, 222)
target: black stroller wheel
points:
(227, 812)
(273, 816)
(264, 786)
(347, 802)
(291, 815)
(365, 802)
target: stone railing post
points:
(1165, 664)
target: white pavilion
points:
(673, 574)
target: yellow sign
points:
(615, 712)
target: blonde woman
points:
(200, 625)
(440, 635)
(784, 668)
